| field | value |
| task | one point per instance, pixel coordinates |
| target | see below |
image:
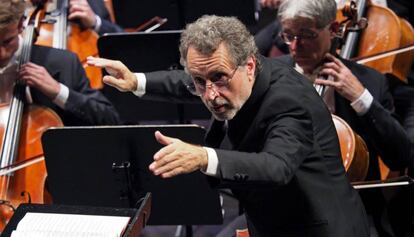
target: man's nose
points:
(3, 53)
(294, 44)
(210, 93)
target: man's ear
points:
(251, 67)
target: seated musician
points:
(285, 149)
(93, 14)
(356, 93)
(56, 78)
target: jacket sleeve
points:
(85, 106)
(170, 86)
(388, 136)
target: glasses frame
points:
(312, 35)
(199, 89)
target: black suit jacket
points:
(380, 130)
(98, 6)
(379, 127)
(85, 106)
(285, 164)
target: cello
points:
(61, 34)
(22, 168)
(385, 49)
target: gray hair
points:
(206, 34)
(11, 11)
(322, 11)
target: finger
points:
(169, 169)
(164, 140)
(330, 72)
(164, 156)
(114, 82)
(326, 83)
(104, 63)
(77, 15)
(332, 65)
(172, 173)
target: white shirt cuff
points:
(62, 96)
(212, 162)
(363, 103)
(141, 84)
(98, 23)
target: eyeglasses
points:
(304, 36)
(219, 81)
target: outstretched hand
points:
(177, 157)
(119, 76)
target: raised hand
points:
(119, 76)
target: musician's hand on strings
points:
(80, 10)
(177, 157)
(38, 77)
(345, 83)
(119, 76)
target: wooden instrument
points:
(63, 34)
(23, 173)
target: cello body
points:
(354, 151)
(22, 169)
(26, 184)
(63, 34)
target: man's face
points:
(308, 44)
(225, 86)
(9, 43)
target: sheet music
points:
(65, 225)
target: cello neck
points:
(13, 126)
(61, 25)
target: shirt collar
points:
(312, 76)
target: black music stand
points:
(146, 52)
(89, 166)
(139, 215)
(130, 13)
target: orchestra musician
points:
(356, 93)
(55, 77)
(93, 14)
(285, 149)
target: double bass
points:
(22, 168)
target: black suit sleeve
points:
(169, 86)
(85, 106)
(389, 137)
(98, 6)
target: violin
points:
(22, 167)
